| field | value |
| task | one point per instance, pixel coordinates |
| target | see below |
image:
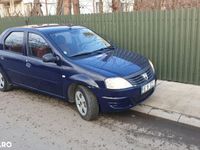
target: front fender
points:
(84, 80)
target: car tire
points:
(86, 103)
(4, 84)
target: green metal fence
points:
(171, 39)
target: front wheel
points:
(86, 103)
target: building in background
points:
(49, 7)
(93, 6)
(11, 8)
(68, 7)
(24, 7)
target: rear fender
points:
(5, 74)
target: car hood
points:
(115, 63)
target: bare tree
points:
(59, 7)
(67, 7)
(94, 5)
(36, 10)
(116, 5)
(135, 7)
(164, 4)
(100, 6)
(63, 7)
(76, 7)
(46, 6)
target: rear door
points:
(12, 57)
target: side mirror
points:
(50, 58)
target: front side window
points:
(78, 41)
(38, 47)
(14, 42)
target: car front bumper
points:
(119, 100)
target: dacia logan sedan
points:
(76, 64)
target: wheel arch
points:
(5, 74)
(79, 79)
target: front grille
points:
(139, 79)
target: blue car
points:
(75, 64)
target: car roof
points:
(47, 28)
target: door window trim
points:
(27, 45)
(23, 43)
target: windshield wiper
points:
(81, 54)
(101, 50)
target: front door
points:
(43, 76)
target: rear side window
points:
(14, 42)
(38, 47)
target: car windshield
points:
(78, 41)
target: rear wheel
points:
(4, 84)
(86, 103)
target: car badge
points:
(145, 76)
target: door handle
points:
(28, 65)
(1, 57)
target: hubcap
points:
(81, 103)
(2, 82)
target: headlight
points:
(117, 83)
(152, 66)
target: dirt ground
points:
(32, 121)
